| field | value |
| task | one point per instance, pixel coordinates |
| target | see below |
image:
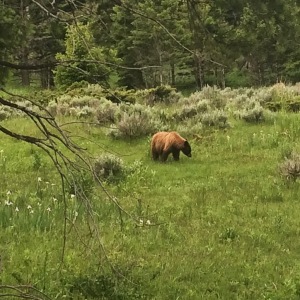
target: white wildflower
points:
(8, 193)
(72, 196)
(141, 222)
(54, 199)
(29, 207)
(8, 203)
(31, 211)
(39, 179)
(48, 209)
(148, 222)
(17, 209)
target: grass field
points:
(220, 225)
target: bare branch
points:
(22, 292)
(67, 63)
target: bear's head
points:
(187, 150)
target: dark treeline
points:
(144, 43)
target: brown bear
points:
(163, 143)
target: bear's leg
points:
(176, 154)
(164, 156)
(155, 155)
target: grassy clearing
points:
(221, 225)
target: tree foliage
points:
(85, 60)
(148, 43)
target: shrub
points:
(81, 101)
(26, 103)
(240, 101)
(77, 85)
(187, 111)
(203, 106)
(192, 109)
(213, 94)
(109, 167)
(253, 115)
(135, 124)
(65, 98)
(106, 112)
(294, 104)
(216, 118)
(190, 128)
(120, 95)
(290, 168)
(4, 114)
(160, 94)
(283, 97)
(85, 112)
(210, 96)
(193, 98)
(95, 90)
(133, 121)
(63, 109)
(52, 108)
(248, 109)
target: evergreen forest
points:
(142, 44)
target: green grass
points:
(223, 224)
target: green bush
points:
(191, 109)
(283, 98)
(186, 112)
(4, 114)
(85, 112)
(121, 95)
(217, 118)
(82, 101)
(290, 168)
(135, 124)
(253, 115)
(109, 167)
(52, 108)
(133, 121)
(106, 112)
(160, 94)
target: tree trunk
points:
(173, 80)
(47, 80)
(223, 78)
(25, 75)
(161, 68)
(199, 73)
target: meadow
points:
(223, 224)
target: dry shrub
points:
(290, 168)
(133, 121)
(109, 167)
(106, 112)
